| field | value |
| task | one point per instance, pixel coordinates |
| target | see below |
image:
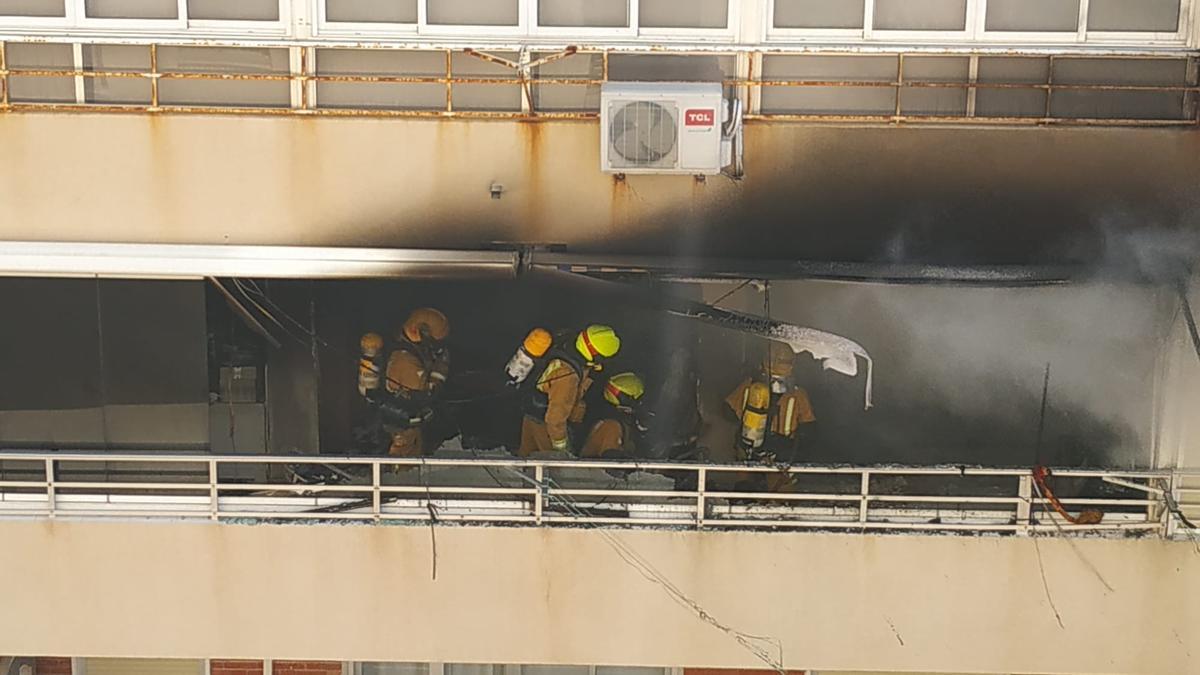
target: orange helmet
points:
(780, 361)
(426, 322)
(371, 344)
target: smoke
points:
(959, 370)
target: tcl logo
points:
(699, 118)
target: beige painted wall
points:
(562, 596)
(819, 190)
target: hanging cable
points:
(754, 644)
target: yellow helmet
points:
(597, 340)
(780, 361)
(426, 321)
(371, 344)
(624, 389)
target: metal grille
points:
(1096, 89)
(643, 134)
(572, 492)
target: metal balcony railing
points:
(1110, 100)
(500, 489)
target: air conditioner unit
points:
(665, 127)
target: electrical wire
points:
(754, 644)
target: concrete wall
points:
(812, 192)
(562, 596)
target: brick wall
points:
(52, 665)
(306, 668)
(235, 667)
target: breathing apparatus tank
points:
(754, 417)
(534, 347)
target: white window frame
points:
(1076, 36)
(976, 30)
(917, 36)
(49, 22)
(281, 26)
(830, 34)
(77, 19)
(584, 32)
(1179, 37)
(323, 27)
(179, 23)
(730, 33)
(1081, 35)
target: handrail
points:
(305, 79)
(491, 489)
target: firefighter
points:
(554, 394)
(773, 411)
(412, 376)
(613, 435)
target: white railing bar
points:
(443, 517)
(445, 489)
(606, 520)
(20, 484)
(82, 485)
(1133, 486)
(1089, 501)
(293, 487)
(944, 499)
(50, 486)
(573, 492)
(784, 496)
(152, 457)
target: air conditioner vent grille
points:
(643, 134)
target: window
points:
(33, 8)
(583, 13)
(568, 97)
(381, 95)
(942, 15)
(40, 88)
(818, 14)
(1118, 104)
(131, 9)
(1011, 102)
(371, 11)
(825, 100)
(234, 10)
(201, 92)
(1032, 15)
(1160, 16)
(935, 101)
(504, 96)
(117, 90)
(683, 13)
(473, 12)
